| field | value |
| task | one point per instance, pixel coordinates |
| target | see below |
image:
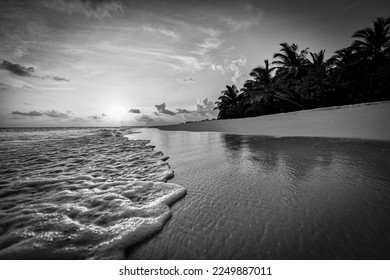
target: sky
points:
(141, 62)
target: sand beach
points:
(360, 121)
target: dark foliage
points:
(356, 74)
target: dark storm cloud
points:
(162, 110)
(17, 69)
(29, 114)
(134, 111)
(24, 71)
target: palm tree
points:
(265, 87)
(344, 56)
(263, 75)
(318, 58)
(374, 42)
(319, 63)
(261, 85)
(290, 61)
(228, 99)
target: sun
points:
(116, 112)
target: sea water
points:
(80, 193)
(253, 197)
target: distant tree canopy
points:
(355, 74)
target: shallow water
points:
(79, 193)
(251, 197)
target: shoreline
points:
(369, 121)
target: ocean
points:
(113, 193)
(80, 193)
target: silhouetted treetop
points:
(354, 74)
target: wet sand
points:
(252, 197)
(261, 197)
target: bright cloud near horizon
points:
(127, 62)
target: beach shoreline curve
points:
(369, 121)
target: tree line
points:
(299, 79)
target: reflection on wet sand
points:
(253, 197)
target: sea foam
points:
(81, 197)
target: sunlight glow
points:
(116, 112)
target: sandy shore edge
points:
(360, 121)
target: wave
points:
(85, 197)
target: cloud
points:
(15, 84)
(187, 80)
(17, 69)
(251, 17)
(24, 71)
(189, 63)
(77, 119)
(49, 113)
(55, 78)
(210, 31)
(145, 119)
(4, 86)
(56, 114)
(29, 114)
(236, 66)
(217, 67)
(98, 9)
(148, 120)
(161, 109)
(162, 30)
(178, 61)
(183, 111)
(211, 43)
(204, 107)
(236, 25)
(134, 111)
(97, 117)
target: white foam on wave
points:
(85, 197)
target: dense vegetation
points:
(295, 81)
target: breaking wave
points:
(80, 194)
